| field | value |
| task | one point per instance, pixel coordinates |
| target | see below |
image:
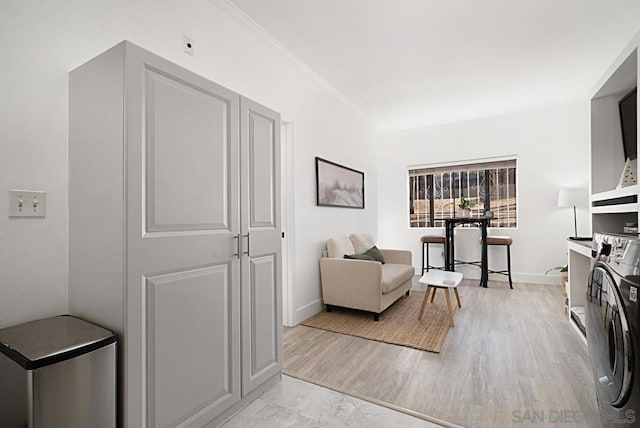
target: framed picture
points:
(338, 186)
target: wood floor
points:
(513, 358)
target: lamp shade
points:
(574, 197)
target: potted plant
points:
(564, 273)
(464, 207)
(564, 278)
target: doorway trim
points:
(288, 223)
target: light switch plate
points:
(27, 203)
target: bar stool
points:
(505, 241)
(426, 240)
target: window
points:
(434, 193)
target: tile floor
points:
(294, 403)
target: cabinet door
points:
(182, 348)
(261, 233)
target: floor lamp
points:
(576, 197)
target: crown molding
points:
(240, 17)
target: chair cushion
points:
(432, 239)
(499, 240)
(361, 242)
(338, 247)
(394, 275)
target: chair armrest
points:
(401, 257)
(351, 283)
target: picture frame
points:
(338, 185)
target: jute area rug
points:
(398, 325)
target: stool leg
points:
(455, 290)
(423, 244)
(427, 258)
(424, 302)
(446, 294)
(433, 296)
(509, 265)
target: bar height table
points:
(449, 244)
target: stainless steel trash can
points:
(57, 372)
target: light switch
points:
(26, 203)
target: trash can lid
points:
(44, 342)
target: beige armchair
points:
(362, 284)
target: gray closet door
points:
(261, 233)
(182, 320)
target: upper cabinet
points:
(613, 131)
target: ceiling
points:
(412, 63)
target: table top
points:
(467, 219)
(582, 242)
(580, 247)
(441, 278)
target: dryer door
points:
(608, 336)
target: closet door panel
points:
(183, 281)
(261, 232)
(186, 131)
(262, 176)
(189, 351)
(264, 295)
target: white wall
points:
(551, 145)
(45, 40)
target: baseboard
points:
(526, 278)
(307, 311)
(531, 278)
